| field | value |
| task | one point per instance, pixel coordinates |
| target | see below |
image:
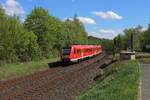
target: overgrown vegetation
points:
(121, 85)
(40, 36)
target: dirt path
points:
(145, 80)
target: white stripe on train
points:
(73, 60)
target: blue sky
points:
(101, 18)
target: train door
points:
(82, 51)
(95, 50)
(75, 53)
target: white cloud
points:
(86, 20)
(104, 33)
(144, 29)
(13, 7)
(107, 15)
(68, 18)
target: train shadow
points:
(66, 64)
(106, 64)
(103, 66)
(59, 64)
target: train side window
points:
(90, 49)
(78, 51)
(87, 50)
(83, 50)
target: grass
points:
(121, 85)
(145, 57)
(10, 71)
(116, 56)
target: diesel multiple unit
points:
(76, 53)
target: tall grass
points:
(9, 71)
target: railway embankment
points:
(63, 82)
(122, 84)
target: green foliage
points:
(39, 22)
(147, 35)
(52, 33)
(94, 40)
(40, 36)
(118, 43)
(2, 13)
(15, 41)
(108, 45)
(127, 39)
(123, 42)
(75, 32)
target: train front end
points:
(65, 54)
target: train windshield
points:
(66, 51)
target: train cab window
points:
(66, 51)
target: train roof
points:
(79, 46)
(86, 46)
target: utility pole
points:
(132, 39)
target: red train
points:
(76, 53)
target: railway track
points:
(30, 80)
(22, 79)
(46, 81)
